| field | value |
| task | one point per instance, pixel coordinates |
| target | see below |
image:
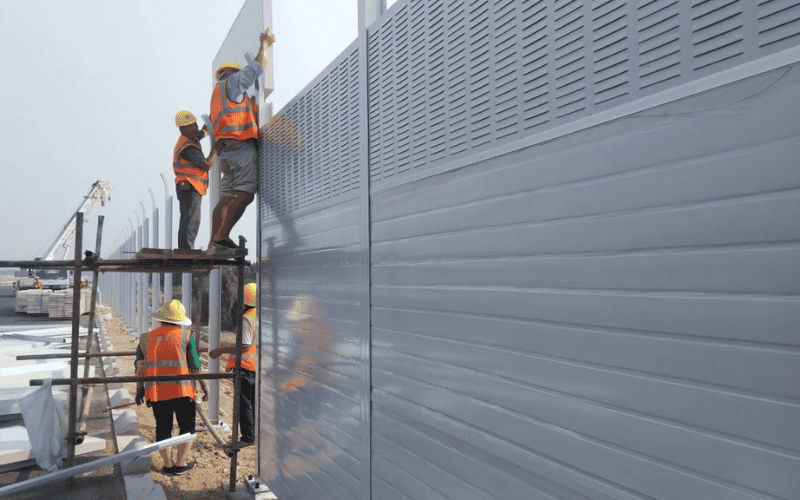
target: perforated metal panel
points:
(451, 78)
(309, 151)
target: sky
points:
(90, 93)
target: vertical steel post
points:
(368, 12)
(156, 278)
(86, 400)
(76, 324)
(145, 277)
(167, 236)
(237, 379)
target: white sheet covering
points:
(46, 421)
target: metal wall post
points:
(237, 379)
(76, 324)
(145, 277)
(167, 236)
(156, 278)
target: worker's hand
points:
(215, 353)
(205, 394)
(267, 38)
(140, 396)
(204, 129)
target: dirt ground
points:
(213, 466)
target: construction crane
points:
(98, 195)
(55, 278)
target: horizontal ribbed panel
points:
(598, 307)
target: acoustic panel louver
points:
(309, 151)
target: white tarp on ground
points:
(47, 417)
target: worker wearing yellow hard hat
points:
(235, 126)
(247, 397)
(191, 176)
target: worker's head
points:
(227, 69)
(250, 294)
(187, 124)
(172, 312)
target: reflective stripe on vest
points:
(232, 120)
(164, 351)
(185, 170)
(250, 353)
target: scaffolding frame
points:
(171, 262)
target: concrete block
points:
(140, 465)
(142, 487)
(119, 397)
(125, 421)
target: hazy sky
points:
(91, 89)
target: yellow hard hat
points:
(172, 312)
(250, 294)
(184, 118)
(227, 65)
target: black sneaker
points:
(168, 471)
(178, 470)
(226, 243)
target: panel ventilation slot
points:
(610, 47)
(535, 64)
(778, 20)
(659, 46)
(570, 62)
(309, 152)
(717, 32)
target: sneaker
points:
(178, 470)
(226, 243)
(223, 252)
(168, 471)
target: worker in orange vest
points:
(235, 125)
(170, 350)
(191, 176)
(247, 397)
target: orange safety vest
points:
(249, 353)
(164, 352)
(185, 170)
(232, 120)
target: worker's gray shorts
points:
(240, 173)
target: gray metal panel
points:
(600, 316)
(451, 78)
(314, 408)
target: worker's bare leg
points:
(183, 450)
(167, 456)
(231, 210)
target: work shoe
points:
(168, 471)
(219, 251)
(178, 470)
(245, 443)
(226, 243)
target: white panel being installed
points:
(243, 38)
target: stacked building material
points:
(61, 303)
(36, 303)
(21, 303)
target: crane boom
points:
(98, 195)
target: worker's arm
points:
(267, 39)
(238, 83)
(195, 156)
(139, 384)
(193, 361)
